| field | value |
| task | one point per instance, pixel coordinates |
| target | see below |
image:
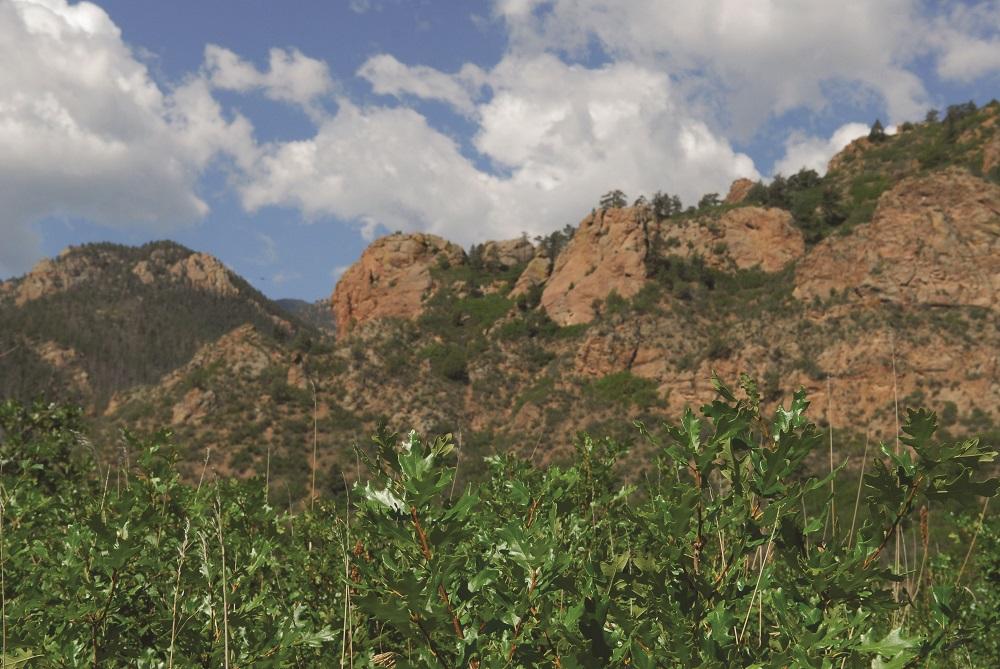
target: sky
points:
(282, 136)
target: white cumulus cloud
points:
(87, 133)
(813, 153)
(388, 76)
(558, 136)
(291, 76)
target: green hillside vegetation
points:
(728, 551)
(124, 332)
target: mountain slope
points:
(102, 317)
(872, 287)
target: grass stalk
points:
(225, 586)
(3, 582)
(857, 497)
(833, 485)
(895, 403)
(760, 575)
(182, 552)
(312, 486)
(972, 544)
(204, 468)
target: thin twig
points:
(177, 586)
(857, 498)
(225, 587)
(760, 574)
(972, 544)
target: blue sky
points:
(283, 136)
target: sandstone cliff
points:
(391, 279)
(933, 240)
(738, 239)
(607, 253)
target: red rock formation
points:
(933, 240)
(607, 253)
(391, 279)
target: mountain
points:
(875, 287)
(101, 318)
(318, 314)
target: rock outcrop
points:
(738, 239)
(78, 265)
(933, 240)
(391, 279)
(607, 253)
(537, 272)
(53, 275)
(507, 253)
(739, 190)
(848, 154)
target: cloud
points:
(362, 165)
(291, 76)
(558, 136)
(589, 95)
(268, 250)
(813, 153)
(388, 76)
(87, 133)
(755, 60)
(968, 39)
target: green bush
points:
(714, 559)
(624, 389)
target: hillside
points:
(873, 286)
(101, 318)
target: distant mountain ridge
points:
(100, 318)
(872, 286)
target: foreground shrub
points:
(728, 554)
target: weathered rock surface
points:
(391, 279)
(740, 238)
(607, 253)
(507, 253)
(204, 272)
(738, 191)
(848, 154)
(72, 268)
(933, 240)
(52, 275)
(537, 272)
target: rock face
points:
(391, 279)
(537, 272)
(848, 153)
(507, 253)
(738, 191)
(75, 266)
(52, 275)
(933, 240)
(738, 239)
(204, 272)
(607, 253)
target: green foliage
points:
(614, 199)
(448, 361)
(623, 389)
(711, 561)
